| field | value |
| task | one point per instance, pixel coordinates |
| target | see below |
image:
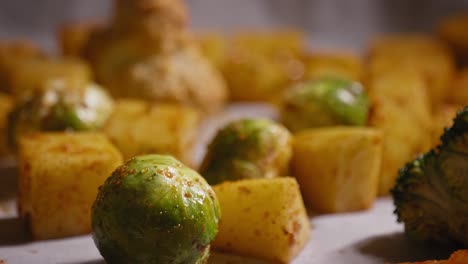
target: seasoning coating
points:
(153, 209)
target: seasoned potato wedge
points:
(59, 176)
(33, 73)
(6, 103)
(346, 66)
(422, 53)
(138, 127)
(400, 108)
(338, 167)
(263, 218)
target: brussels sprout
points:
(154, 209)
(325, 102)
(248, 148)
(56, 108)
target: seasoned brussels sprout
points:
(248, 148)
(325, 102)
(154, 209)
(57, 107)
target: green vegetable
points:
(154, 209)
(59, 108)
(326, 101)
(248, 148)
(431, 193)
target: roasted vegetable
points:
(262, 218)
(400, 108)
(453, 31)
(348, 66)
(338, 167)
(441, 119)
(431, 192)
(422, 53)
(57, 108)
(259, 66)
(11, 53)
(247, 148)
(6, 103)
(457, 257)
(459, 88)
(147, 53)
(153, 209)
(72, 38)
(31, 74)
(59, 174)
(326, 101)
(138, 127)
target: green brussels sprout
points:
(248, 148)
(58, 108)
(154, 209)
(326, 101)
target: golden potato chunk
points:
(422, 53)
(138, 127)
(338, 167)
(32, 74)
(10, 54)
(400, 108)
(59, 176)
(72, 38)
(459, 88)
(214, 47)
(263, 218)
(346, 66)
(443, 118)
(6, 104)
(259, 66)
(453, 31)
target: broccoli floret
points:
(431, 192)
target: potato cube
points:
(453, 31)
(59, 176)
(10, 54)
(443, 118)
(6, 103)
(346, 66)
(459, 88)
(74, 37)
(400, 108)
(262, 218)
(338, 167)
(138, 127)
(32, 74)
(213, 47)
(423, 53)
(259, 66)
